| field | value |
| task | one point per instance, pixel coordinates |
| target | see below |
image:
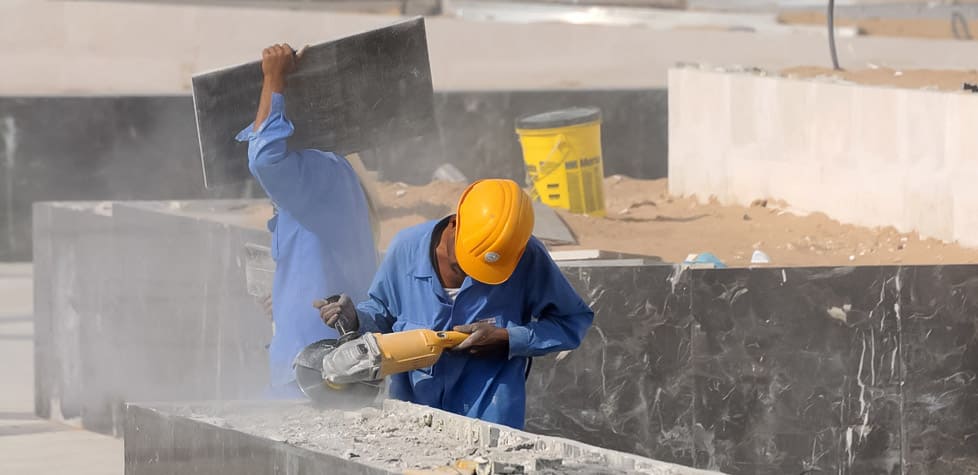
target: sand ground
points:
(642, 218)
(924, 28)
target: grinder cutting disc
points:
(309, 374)
(309, 369)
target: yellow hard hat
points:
(494, 221)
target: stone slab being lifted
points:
(355, 93)
(398, 437)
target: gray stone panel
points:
(96, 148)
(157, 443)
(152, 305)
(844, 370)
(203, 438)
(628, 386)
(72, 279)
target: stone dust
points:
(391, 441)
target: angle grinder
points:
(308, 365)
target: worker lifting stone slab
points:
(347, 95)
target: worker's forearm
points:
(548, 335)
(270, 85)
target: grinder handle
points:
(451, 339)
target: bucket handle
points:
(561, 140)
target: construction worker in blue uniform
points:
(322, 240)
(481, 272)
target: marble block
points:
(627, 387)
(155, 307)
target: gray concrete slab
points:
(255, 437)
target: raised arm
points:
(300, 182)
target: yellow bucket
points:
(562, 152)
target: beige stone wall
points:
(872, 156)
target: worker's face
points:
(448, 238)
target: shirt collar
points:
(425, 268)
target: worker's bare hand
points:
(338, 313)
(278, 61)
(486, 339)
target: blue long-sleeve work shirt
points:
(322, 241)
(537, 305)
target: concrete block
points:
(147, 303)
(790, 119)
(96, 148)
(705, 118)
(875, 121)
(630, 390)
(241, 437)
(961, 141)
(964, 202)
(746, 99)
(929, 202)
(832, 121)
(871, 156)
(72, 281)
(922, 128)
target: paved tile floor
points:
(29, 445)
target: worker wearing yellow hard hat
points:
(482, 272)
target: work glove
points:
(485, 339)
(338, 312)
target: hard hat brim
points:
(494, 274)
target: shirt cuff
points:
(278, 108)
(519, 341)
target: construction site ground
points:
(28, 444)
(923, 28)
(642, 218)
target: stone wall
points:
(849, 370)
(871, 156)
(852, 370)
(143, 301)
(198, 438)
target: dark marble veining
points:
(939, 319)
(849, 370)
(797, 370)
(627, 386)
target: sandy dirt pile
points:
(943, 80)
(930, 28)
(378, 438)
(644, 219)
